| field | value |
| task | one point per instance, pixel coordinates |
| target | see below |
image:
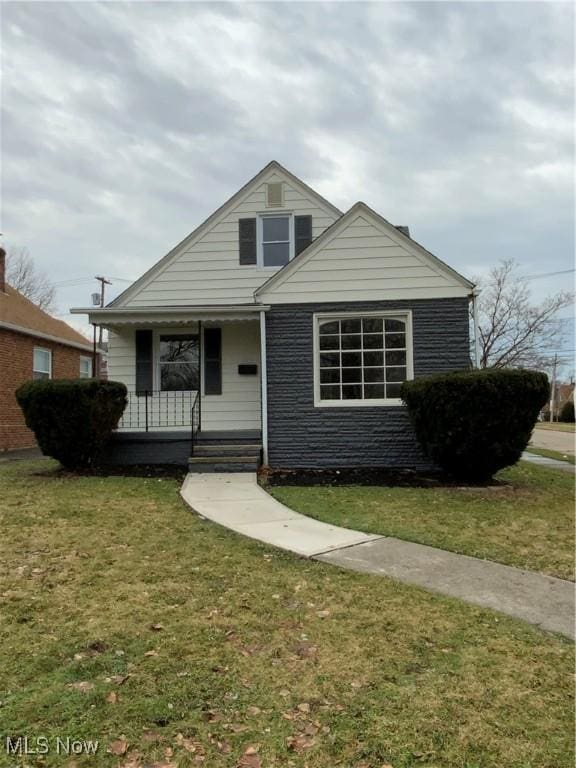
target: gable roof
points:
(338, 226)
(23, 316)
(214, 218)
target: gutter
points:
(46, 336)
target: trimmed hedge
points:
(72, 418)
(567, 412)
(474, 423)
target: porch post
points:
(263, 387)
(200, 374)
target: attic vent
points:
(274, 195)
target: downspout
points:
(94, 354)
(475, 294)
(263, 387)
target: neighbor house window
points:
(85, 367)
(275, 240)
(42, 363)
(362, 359)
(179, 362)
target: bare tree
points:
(21, 273)
(513, 331)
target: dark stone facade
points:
(134, 448)
(301, 435)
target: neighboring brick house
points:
(33, 345)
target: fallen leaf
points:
(253, 711)
(224, 747)
(299, 743)
(112, 698)
(190, 745)
(151, 653)
(322, 614)
(249, 761)
(83, 686)
(118, 747)
(157, 627)
(304, 707)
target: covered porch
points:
(195, 380)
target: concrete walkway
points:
(544, 461)
(236, 501)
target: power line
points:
(549, 274)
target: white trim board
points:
(46, 336)
(358, 220)
(269, 170)
(404, 314)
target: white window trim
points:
(403, 314)
(273, 213)
(156, 379)
(42, 349)
(90, 360)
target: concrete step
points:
(223, 463)
(227, 449)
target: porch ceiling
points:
(157, 316)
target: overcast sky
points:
(125, 125)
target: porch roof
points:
(116, 316)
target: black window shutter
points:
(303, 232)
(247, 241)
(144, 363)
(212, 361)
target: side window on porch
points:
(179, 362)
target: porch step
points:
(230, 451)
(233, 463)
(227, 449)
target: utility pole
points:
(103, 282)
(553, 388)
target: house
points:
(33, 345)
(282, 323)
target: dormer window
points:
(275, 240)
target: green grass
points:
(528, 521)
(114, 584)
(557, 426)
(552, 454)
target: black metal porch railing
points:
(153, 409)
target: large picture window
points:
(179, 362)
(362, 358)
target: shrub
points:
(567, 412)
(474, 423)
(72, 418)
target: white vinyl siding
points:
(238, 407)
(208, 272)
(363, 262)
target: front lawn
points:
(556, 426)
(549, 454)
(527, 521)
(126, 619)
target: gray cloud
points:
(124, 125)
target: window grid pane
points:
(362, 358)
